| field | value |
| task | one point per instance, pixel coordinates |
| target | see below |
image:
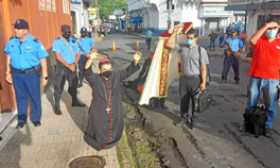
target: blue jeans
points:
(270, 93)
(27, 88)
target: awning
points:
(253, 6)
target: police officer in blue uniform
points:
(26, 64)
(233, 47)
(86, 46)
(67, 57)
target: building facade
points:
(79, 13)
(258, 11)
(45, 19)
(206, 15)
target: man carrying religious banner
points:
(163, 70)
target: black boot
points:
(80, 84)
(77, 103)
(161, 103)
(154, 103)
(57, 110)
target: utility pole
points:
(169, 8)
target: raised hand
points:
(137, 57)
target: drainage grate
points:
(88, 162)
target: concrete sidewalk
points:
(56, 142)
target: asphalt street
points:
(217, 136)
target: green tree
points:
(106, 7)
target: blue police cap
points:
(65, 28)
(83, 30)
(21, 24)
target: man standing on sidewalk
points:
(213, 37)
(67, 56)
(26, 63)
(86, 47)
(233, 49)
(194, 60)
(265, 70)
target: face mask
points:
(83, 35)
(271, 34)
(189, 42)
(66, 35)
(107, 74)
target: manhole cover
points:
(88, 162)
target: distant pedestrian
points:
(222, 40)
(149, 37)
(67, 57)
(233, 48)
(86, 45)
(26, 65)
(213, 37)
(105, 121)
(265, 71)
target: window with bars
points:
(47, 5)
(66, 6)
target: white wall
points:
(82, 19)
(252, 19)
(184, 12)
(136, 4)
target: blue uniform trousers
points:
(228, 62)
(27, 88)
(82, 64)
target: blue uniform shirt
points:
(235, 44)
(25, 54)
(66, 49)
(85, 45)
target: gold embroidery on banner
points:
(164, 73)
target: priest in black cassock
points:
(105, 118)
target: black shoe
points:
(162, 104)
(189, 122)
(20, 125)
(57, 110)
(37, 123)
(80, 84)
(237, 82)
(77, 103)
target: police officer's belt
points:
(27, 70)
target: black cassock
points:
(105, 118)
